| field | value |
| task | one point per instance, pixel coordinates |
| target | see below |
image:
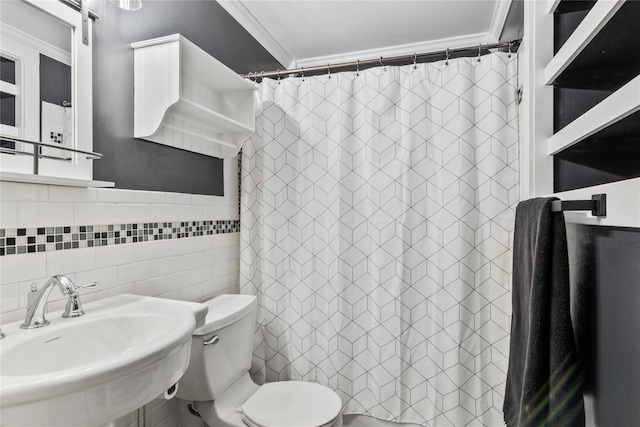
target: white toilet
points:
(217, 379)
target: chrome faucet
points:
(35, 310)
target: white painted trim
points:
(53, 180)
(10, 131)
(595, 20)
(9, 88)
(498, 20)
(39, 45)
(249, 22)
(537, 101)
(620, 104)
(405, 49)
(552, 5)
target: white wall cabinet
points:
(185, 98)
(581, 104)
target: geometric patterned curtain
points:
(377, 219)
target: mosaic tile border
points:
(15, 241)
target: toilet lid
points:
(292, 404)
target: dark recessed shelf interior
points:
(609, 62)
(572, 103)
(613, 154)
(566, 19)
(615, 47)
(567, 6)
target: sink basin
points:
(86, 371)
(79, 346)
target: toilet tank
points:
(214, 367)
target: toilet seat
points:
(292, 404)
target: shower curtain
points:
(377, 213)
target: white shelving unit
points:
(542, 70)
(597, 18)
(185, 98)
(620, 104)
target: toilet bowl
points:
(218, 382)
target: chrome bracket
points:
(84, 10)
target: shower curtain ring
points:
(479, 52)
(415, 61)
(357, 67)
(382, 64)
(278, 71)
(446, 60)
(302, 70)
(261, 76)
(329, 69)
(509, 55)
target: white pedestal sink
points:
(86, 371)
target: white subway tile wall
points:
(186, 266)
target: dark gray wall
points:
(55, 81)
(55, 84)
(135, 163)
(606, 311)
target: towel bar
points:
(597, 205)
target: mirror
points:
(45, 86)
(36, 77)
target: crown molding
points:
(249, 22)
(498, 20)
(398, 50)
(37, 44)
(246, 19)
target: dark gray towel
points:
(544, 380)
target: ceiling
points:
(302, 33)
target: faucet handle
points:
(74, 306)
(32, 294)
(74, 290)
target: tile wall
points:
(169, 245)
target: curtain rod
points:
(480, 49)
(76, 4)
